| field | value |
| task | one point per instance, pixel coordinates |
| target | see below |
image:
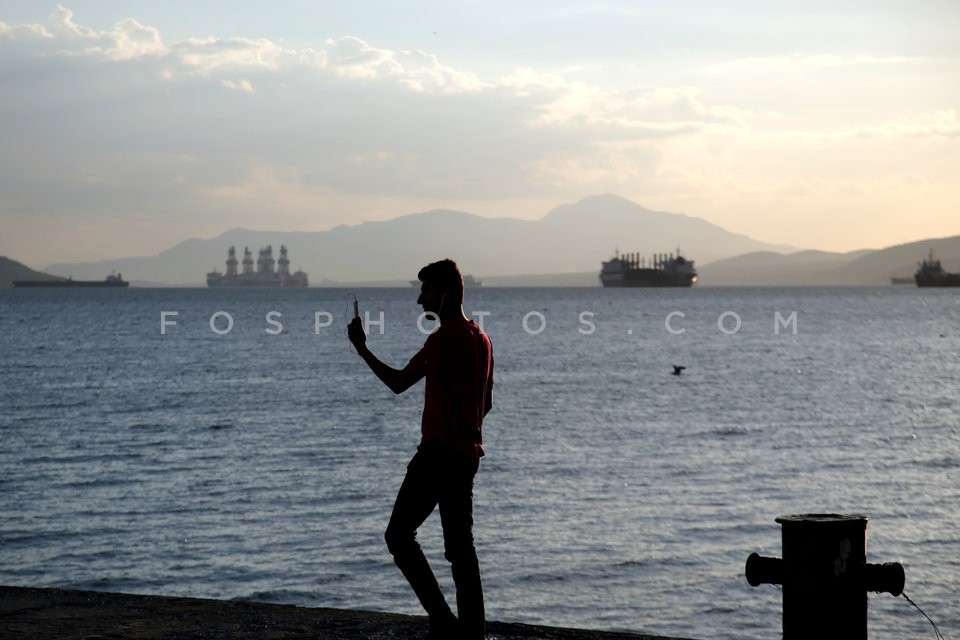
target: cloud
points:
(211, 54)
(24, 32)
(128, 39)
(62, 25)
(351, 57)
(120, 120)
(937, 128)
(238, 85)
(422, 128)
(809, 62)
(942, 125)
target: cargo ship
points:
(110, 281)
(269, 272)
(663, 270)
(932, 274)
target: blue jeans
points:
(435, 478)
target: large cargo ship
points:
(269, 272)
(663, 270)
(110, 281)
(932, 274)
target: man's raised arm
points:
(397, 380)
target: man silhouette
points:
(457, 362)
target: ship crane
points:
(232, 262)
(283, 264)
(247, 262)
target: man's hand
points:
(397, 380)
(356, 334)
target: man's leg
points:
(418, 496)
(456, 515)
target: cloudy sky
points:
(128, 126)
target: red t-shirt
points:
(457, 361)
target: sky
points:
(129, 126)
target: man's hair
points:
(445, 276)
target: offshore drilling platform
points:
(269, 272)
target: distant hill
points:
(563, 248)
(867, 267)
(11, 270)
(570, 239)
(771, 268)
(902, 260)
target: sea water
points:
(230, 444)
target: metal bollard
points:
(825, 576)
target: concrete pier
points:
(59, 614)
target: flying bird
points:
(678, 369)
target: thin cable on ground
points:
(935, 627)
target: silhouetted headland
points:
(75, 615)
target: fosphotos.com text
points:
(533, 323)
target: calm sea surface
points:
(614, 495)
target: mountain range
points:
(570, 239)
(820, 268)
(11, 270)
(565, 247)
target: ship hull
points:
(647, 278)
(932, 274)
(70, 283)
(952, 280)
(251, 282)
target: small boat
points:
(932, 274)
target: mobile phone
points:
(356, 307)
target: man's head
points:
(442, 287)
